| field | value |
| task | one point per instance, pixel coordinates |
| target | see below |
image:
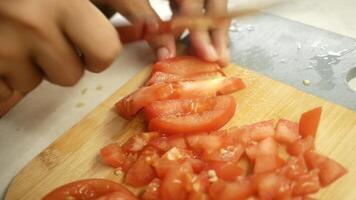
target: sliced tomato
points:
(139, 141)
(287, 132)
(165, 143)
(203, 143)
(152, 190)
(185, 66)
(141, 173)
(267, 158)
(227, 171)
(114, 156)
(240, 135)
(251, 152)
(273, 186)
(301, 146)
(200, 187)
(261, 130)
(88, 189)
(237, 190)
(177, 183)
(294, 168)
(162, 77)
(307, 183)
(309, 122)
(231, 153)
(218, 116)
(179, 107)
(329, 169)
(117, 196)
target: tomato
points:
(309, 122)
(218, 116)
(227, 171)
(267, 158)
(251, 152)
(231, 153)
(114, 156)
(152, 190)
(162, 77)
(294, 168)
(301, 146)
(200, 186)
(166, 143)
(177, 182)
(204, 143)
(238, 190)
(261, 130)
(307, 183)
(179, 107)
(88, 189)
(329, 169)
(185, 66)
(117, 196)
(137, 142)
(141, 172)
(272, 186)
(287, 132)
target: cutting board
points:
(74, 155)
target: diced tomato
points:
(272, 186)
(218, 116)
(197, 164)
(137, 142)
(89, 189)
(287, 132)
(230, 153)
(198, 196)
(240, 135)
(162, 77)
(261, 130)
(227, 171)
(309, 122)
(294, 168)
(329, 170)
(114, 156)
(251, 152)
(203, 143)
(267, 158)
(301, 146)
(185, 66)
(177, 183)
(179, 107)
(200, 187)
(307, 183)
(166, 143)
(117, 196)
(152, 190)
(141, 173)
(237, 190)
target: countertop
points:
(50, 110)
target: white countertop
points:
(51, 110)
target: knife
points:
(136, 32)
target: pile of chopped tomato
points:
(185, 154)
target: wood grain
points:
(74, 155)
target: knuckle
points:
(69, 80)
(103, 59)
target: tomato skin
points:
(210, 120)
(287, 132)
(309, 122)
(185, 66)
(329, 170)
(88, 189)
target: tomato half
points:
(309, 122)
(218, 116)
(89, 189)
(185, 66)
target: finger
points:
(5, 90)
(90, 31)
(9, 103)
(219, 36)
(58, 59)
(23, 77)
(141, 12)
(200, 38)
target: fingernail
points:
(163, 53)
(211, 53)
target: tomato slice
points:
(131, 104)
(330, 170)
(185, 66)
(218, 116)
(307, 183)
(261, 130)
(162, 77)
(152, 190)
(287, 132)
(89, 189)
(309, 122)
(114, 156)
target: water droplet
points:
(282, 61)
(275, 54)
(310, 67)
(233, 28)
(306, 82)
(299, 46)
(250, 28)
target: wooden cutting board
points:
(74, 155)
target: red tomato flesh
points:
(261, 130)
(218, 116)
(287, 132)
(88, 189)
(162, 77)
(309, 122)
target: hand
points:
(211, 45)
(41, 38)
